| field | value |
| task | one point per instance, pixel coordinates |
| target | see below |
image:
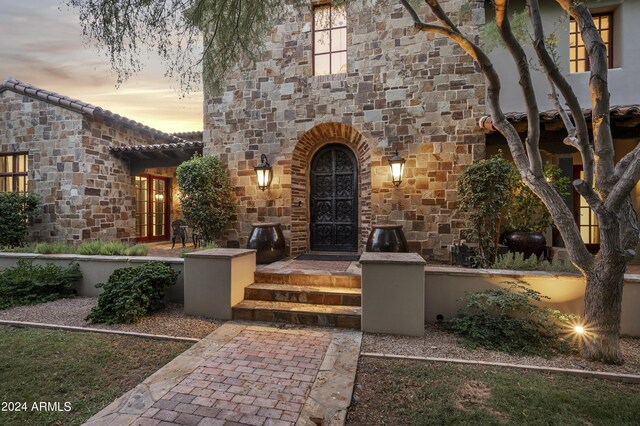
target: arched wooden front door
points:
(334, 200)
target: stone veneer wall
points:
(415, 92)
(86, 192)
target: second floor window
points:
(13, 172)
(578, 58)
(329, 40)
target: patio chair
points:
(178, 229)
(195, 237)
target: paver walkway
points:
(248, 375)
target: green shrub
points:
(485, 188)
(205, 195)
(131, 293)
(517, 262)
(27, 283)
(507, 320)
(54, 248)
(15, 210)
(111, 248)
(137, 250)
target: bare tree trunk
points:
(603, 310)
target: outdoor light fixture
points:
(263, 170)
(159, 197)
(397, 167)
(579, 329)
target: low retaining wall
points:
(97, 269)
(445, 288)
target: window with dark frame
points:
(329, 39)
(578, 58)
(13, 172)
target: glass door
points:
(152, 208)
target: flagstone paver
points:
(247, 375)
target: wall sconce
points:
(159, 197)
(397, 168)
(263, 170)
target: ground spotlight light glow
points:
(579, 329)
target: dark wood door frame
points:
(333, 198)
(167, 208)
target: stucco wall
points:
(622, 77)
(445, 288)
(98, 269)
(404, 90)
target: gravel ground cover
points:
(438, 343)
(170, 321)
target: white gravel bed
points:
(438, 343)
(170, 321)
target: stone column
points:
(214, 280)
(393, 293)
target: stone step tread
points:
(305, 288)
(299, 307)
(323, 280)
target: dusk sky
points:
(41, 43)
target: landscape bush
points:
(111, 248)
(27, 283)
(506, 319)
(205, 195)
(516, 261)
(15, 210)
(131, 293)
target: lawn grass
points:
(391, 392)
(89, 370)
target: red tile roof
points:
(91, 110)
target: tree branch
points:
(627, 181)
(522, 63)
(559, 210)
(581, 140)
(599, 87)
(623, 164)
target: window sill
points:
(328, 78)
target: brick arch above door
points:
(308, 144)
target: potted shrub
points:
(528, 217)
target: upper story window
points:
(578, 58)
(13, 172)
(329, 40)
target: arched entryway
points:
(312, 142)
(333, 199)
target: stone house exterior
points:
(334, 96)
(74, 162)
(402, 91)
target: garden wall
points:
(445, 288)
(97, 269)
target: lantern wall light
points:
(264, 173)
(397, 168)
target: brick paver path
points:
(258, 378)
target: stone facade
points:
(86, 192)
(414, 92)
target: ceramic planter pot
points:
(268, 241)
(387, 238)
(525, 242)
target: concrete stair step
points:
(317, 295)
(338, 316)
(322, 280)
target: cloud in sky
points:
(41, 43)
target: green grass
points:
(393, 392)
(88, 370)
(92, 248)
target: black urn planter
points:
(268, 241)
(525, 242)
(387, 238)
